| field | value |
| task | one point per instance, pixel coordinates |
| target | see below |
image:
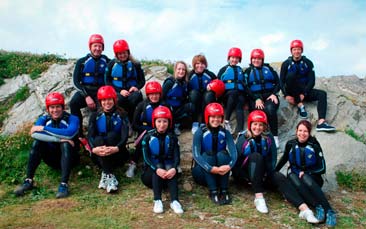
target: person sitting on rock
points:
(55, 135)
(107, 135)
(142, 119)
(297, 79)
(234, 97)
(214, 154)
(307, 165)
(88, 77)
(161, 153)
(262, 86)
(199, 93)
(175, 94)
(125, 74)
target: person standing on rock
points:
(88, 76)
(161, 152)
(55, 135)
(200, 93)
(175, 94)
(307, 165)
(262, 86)
(125, 74)
(214, 153)
(297, 79)
(107, 135)
(234, 97)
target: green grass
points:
(355, 181)
(168, 64)
(17, 63)
(21, 95)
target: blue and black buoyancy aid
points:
(302, 158)
(233, 78)
(213, 143)
(251, 146)
(261, 80)
(62, 123)
(161, 150)
(199, 81)
(146, 116)
(124, 75)
(93, 71)
(300, 67)
(106, 123)
(177, 94)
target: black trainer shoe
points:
(302, 112)
(27, 185)
(325, 127)
(214, 196)
(63, 191)
(225, 197)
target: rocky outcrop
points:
(346, 110)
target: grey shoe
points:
(26, 186)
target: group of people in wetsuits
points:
(112, 90)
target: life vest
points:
(301, 158)
(208, 141)
(104, 125)
(93, 71)
(124, 75)
(146, 116)
(165, 157)
(300, 67)
(177, 94)
(199, 81)
(261, 80)
(62, 123)
(250, 146)
(233, 78)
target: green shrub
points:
(20, 95)
(168, 64)
(356, 181)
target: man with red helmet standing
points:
(54, 142)
(297, 79)
(88, 77)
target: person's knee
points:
(308, 181)
(294, 180)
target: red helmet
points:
(96, 38)
(218, 87)
(107, 92)
(55, 98)
(296, 44)
(153, 87)
(257, 116)
(214, 109)
(235, 52)
(120, 46)
(162, 112)
(257, 53)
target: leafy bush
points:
(356, 181)
(21, 95)
(17, 63)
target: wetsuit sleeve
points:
(196, 151)
(320, 166)
(283, 74)
(136, 122)
(221, 72)
(77, 76)
(92, 129)
(124, 134)
(211, 74)
(167, 85)
(231, 148)
(45, 137)
(140, 76)
(271, 159)
(146, 152)
(247, 89)
(66, 133)
(176, 153)
(108, 73)
(283, 160)
(239, 144)
(311, 77)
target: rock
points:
(12, 85)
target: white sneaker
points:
(131, 170)
(112, 183)
(158, 206)
(194, 127)
(228, 126)
(176, 207)
(309, 216)
(103, 181)
(277, 142)
(260, 205)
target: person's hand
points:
(99, 150)
(108, 150)
(215, 170)
(36, 129)
(208, 88)
(273, 98)
(124, 93)
(223, 169)
(302, 96)
(170, 173)
(90, 103)
(69, 141)
(290, 99)
(259, 104)
(161, 173)
(301, 174)
(132, 89)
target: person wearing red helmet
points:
(263, 85)
(107, 136)
(200, 93)
(125, 74)
(214, 154)
(297, 79)
(175, 94)
(234, 97)
(256, 164)
(161, 153)
(88, 76)
(142, 119)
(55, 142)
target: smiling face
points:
(107, 104)
(122, 56)
(302, 133)
(257, 128)
(96, 49)
(55, 111)
(257, 62)
(296, 53)
(180, 71)
(233, 60)
(199, 67)
(161, 124)
(215, 120)
(154, 97)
